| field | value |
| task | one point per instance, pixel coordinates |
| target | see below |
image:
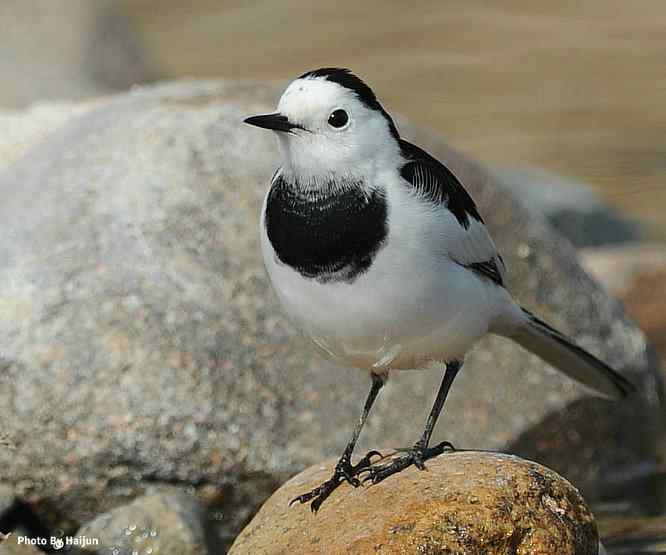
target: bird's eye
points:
(338, 119)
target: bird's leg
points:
(421, 451)
(344, 470)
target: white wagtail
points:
(377, 251)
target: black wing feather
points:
(436, 182)
(488, 269)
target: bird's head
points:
(329, 121)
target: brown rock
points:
(466, 502)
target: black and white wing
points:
(469, 244)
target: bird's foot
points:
(416, 455)
(344, 472)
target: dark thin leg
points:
(450, 374)
(344, 470)
(377, 384)
(420, 452)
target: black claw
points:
(416, 455)
(347, 472)
(366, 461)
(320, 493)
(344, 471)
(441, 447)
(371, 454)
(314, 506)
(306, 496)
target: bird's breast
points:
(330, 232)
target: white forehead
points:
(308, 96)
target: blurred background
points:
(576, 88)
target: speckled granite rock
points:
(140, 341)
(11, 546)
(21, 129)
(168, 524)
(473, 503)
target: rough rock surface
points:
(67, 50)
(11, 546)
(21, 129)
(141, 343)
(168, 524)
(471, 503)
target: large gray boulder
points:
(140, 341)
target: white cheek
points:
(301, 155)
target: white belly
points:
(405, 311)
(413, 305)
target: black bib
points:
(328, 233)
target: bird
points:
(378, 253)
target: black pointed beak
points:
(276, 122)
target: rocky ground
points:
(152, 394)
(143, 347)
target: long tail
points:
(562, 353)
